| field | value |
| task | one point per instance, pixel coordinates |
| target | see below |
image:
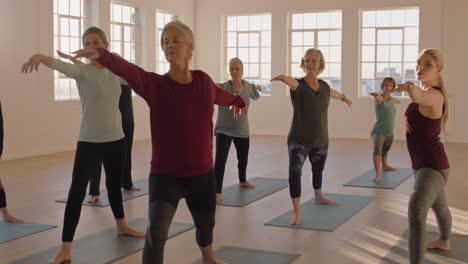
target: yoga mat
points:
(126, 195)
(238, 196)
(103, 247)
(324, 217)
(388, 179)
(457, 255)
(10, 231)
(238, 255)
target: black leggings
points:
(297, 155)
(128, 125)
(87, 158)
(3, 202)
(165, 192)
(223, 144)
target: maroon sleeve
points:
(142, 82)
(223, 97)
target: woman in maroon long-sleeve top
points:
(181, 106)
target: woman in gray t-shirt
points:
(308, 136)
(228, 129)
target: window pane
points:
(395, 70)
(266, 22)
(335, 37)
(383, 53)
(368, 53)
(162, 56)
(266, 71)
(411, 35)
(309, 38)
(296, 54)
(397, 18)
(310, 21)
(335, 70)
(396, 36)
(367, 87)
(127, 51)
(396, 53)
(232, 23)
(266, 39)
(63, 7)
(75, 8)
(73, 90)
(160, 20)
(325, 73)
(411, 53)
(254, 55)
(410, 71)
(231, 39)
(368, 19)
(55, 6)
(383, 70)
(64, 26)
(326, 52)
(323, 38)
(368, 36)
(412, 17)
(297, 21)
(231, 53)
(323, 20)
(74, 44)
(127, 33)
(65, 45)
(254, 70)
(243, 39)
(132, 51)
(383, 18)
(64, 85)
(266, 55)
(383, 37)
(125, 14)
(335, 20)
(368, 71)
(116, 47)
(116, 32)
(254, 40)
(74, 28)
(167, 18)
(335, 54)
(255, 23)
(243, 23)
(296, 70)
(296, 38)
(55, 25)
(244, 54)
(116, 13)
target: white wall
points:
(35, 123)
(441, 26)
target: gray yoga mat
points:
(10, 231)
(241, 196)
(237, 255)
(103, 247)
(457, 255)
(126, 195)
(324, 217)
(388, 180)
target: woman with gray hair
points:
(228, 129)
(181, 106)
(308, 136)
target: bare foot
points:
(93, 199)
(376, 180)
(133, 188)
(219, 197)
(323, 200)
(388, 168)
(61, 257)
(247, 185)
(12, 219)
(439, 244)
(128, 231)
(296, 220)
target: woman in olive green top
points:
(382, 132)
(308, 136)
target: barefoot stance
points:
(376, 180)
(296, 220)
(128, 231)
(323, 200)
(247, 185)
(438, 244)
(218, 197)
(93, 199)
(62, 257)
(13, 219)
(133, 188)
(389, 168)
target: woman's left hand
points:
(238, 111)
(404, 87)
(347, 101)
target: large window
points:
(389, 47)
(162, 18)
(249, 39)
(124, 31)
(320, 30)
(69, 22)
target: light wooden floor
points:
(33, 184)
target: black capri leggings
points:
(87, 158)
(223, 144)
(165, 192)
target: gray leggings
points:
(428, 193)
(382, 144)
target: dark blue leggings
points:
(297, 156)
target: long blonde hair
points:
(437, 56)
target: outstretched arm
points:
(71, 58)
(377, 97)
(292, 83)
(420, 96)
(34, 62)
(337, 95)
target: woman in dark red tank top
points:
(424, 118)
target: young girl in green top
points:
(382, 132)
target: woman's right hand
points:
(32, 64)
(89, 53)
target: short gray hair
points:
(317, 52)
(236, 60)
(188, 34)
